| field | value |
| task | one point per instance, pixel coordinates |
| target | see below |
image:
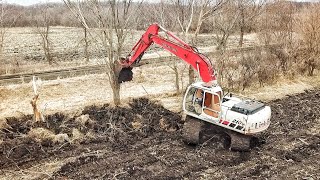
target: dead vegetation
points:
(142, 140)
(106, 124)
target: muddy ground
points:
(143, 141)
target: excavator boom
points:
(179, 48)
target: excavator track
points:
(239, 142)
(234, 140)
(191, 130)
(193, 126)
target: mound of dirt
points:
(25, 141)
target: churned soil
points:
(142, 140)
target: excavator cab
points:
(203, 101)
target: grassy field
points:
(23, 48)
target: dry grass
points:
(283, 87)
(90, 135)
(137, 122)
(77, 136)
(42, 134)
(4, 124)
(84, 120)
(61, 138)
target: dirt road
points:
(142, 141)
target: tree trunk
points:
(86, 46)
(114, 74)
(242, 24)
(116, 92)
(176, 72)
(191, 75)
(115, 86)
(48, 55)
(241, 36)
(1, 45)
(46, 50)
(46, 43)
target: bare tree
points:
(224, 23)
(276, 27)
(308, 26)
(186, 11)
(113, 20)
(86, 44)
(249, 10)
(185, 15)
(3, 29)
(42, 27)
(206, 9)
(77, 10)
(37, 114)
(5, 23)
(162, 13)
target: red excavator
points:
(204, 101)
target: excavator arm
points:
(179, 48)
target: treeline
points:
(26, 16)
(13, 15)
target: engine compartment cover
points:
(247, 107)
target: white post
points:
(34, 85)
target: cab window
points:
(194, 100)
(212, 104)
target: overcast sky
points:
(30, 2)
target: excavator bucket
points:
(125, 74)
